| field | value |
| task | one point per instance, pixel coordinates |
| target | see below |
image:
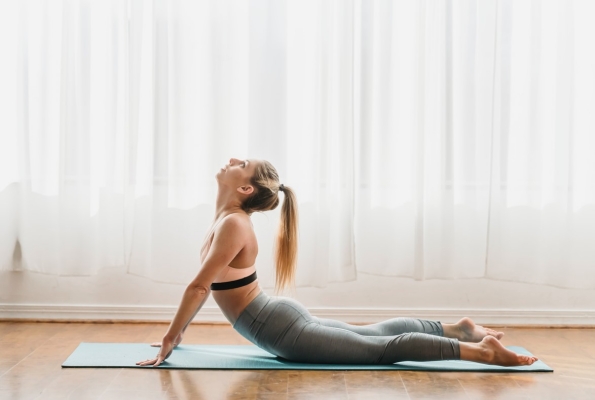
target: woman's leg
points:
(465, 330)
(323, 344)
(391, 327)
(284, 327)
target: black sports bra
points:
(234, 284)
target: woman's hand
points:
(167, 347)
(177, 341)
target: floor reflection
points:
(212, 384)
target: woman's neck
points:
(226, 204)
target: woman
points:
(283, 326)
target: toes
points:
(494, 333)
(526, 360)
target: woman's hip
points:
(272, 322)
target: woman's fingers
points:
(154, 362)
(159, 361)
(167, 347)
(147, 362)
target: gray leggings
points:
(285, 328)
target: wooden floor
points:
(31, 354)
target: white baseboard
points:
(66, 312)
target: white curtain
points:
(125, 111)
(437, 139)
(476, 141)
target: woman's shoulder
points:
(234, 222)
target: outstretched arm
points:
(180, 336)
(227, 243)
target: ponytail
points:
(266, 197)
(287, 242)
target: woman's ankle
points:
(475, 352)
(450, 331)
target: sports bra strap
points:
(234, 284)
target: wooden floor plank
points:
(33, 352)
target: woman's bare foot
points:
(466, 331)
(491, 351)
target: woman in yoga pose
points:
(283, 326)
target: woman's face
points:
(237, 173)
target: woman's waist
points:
(233, 302)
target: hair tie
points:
(281, 187)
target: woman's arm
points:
(228, 241)
(178, 339)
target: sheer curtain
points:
(424, 139)
(246, 79)
(475, 140)
(120, 113)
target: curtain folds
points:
(434, 139)
(474, 141)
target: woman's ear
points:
(248, 189)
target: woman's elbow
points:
(199, 289)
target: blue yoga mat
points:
(125, 355)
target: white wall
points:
(115, 295)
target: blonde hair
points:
(266, 197)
